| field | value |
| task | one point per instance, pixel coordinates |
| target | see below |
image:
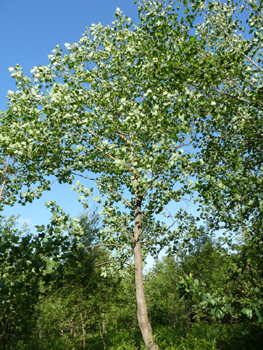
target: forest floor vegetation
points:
(202, 337)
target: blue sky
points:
(30, 30)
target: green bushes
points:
(202, 337)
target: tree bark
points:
(74, 331)
(5, 176)
(84, 328)
(188, 317)
(142, 314)
(102, 326)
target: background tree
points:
(22, 274)
(178, 283)
(229, 81)
(165, 306)
(81, 307)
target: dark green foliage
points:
(23, 262)
(203, 298)
(202, 337)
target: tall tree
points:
(126, 101)
(108, 107)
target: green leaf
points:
(218, 313)
(247, 312)
(2, 283)
(40, 228)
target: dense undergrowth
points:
(201, 337)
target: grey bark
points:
(142, 314)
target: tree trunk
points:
(102, 326)
(74, 331)
(142, 314)
(189, 317)
(84, 328)
(103, 323)
(5, 178)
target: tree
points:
(165, 306)
(203, 269)
(229, 81)
(108, 107)
(125, 102)
(22, 276)
(89, 289)
(81, 305)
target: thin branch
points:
(108, 245)
(174, 221)
(5, 177)
(258, 13)
(253, 62)
(125, 228)
(110, 262)
(158, 173)
(97, 147)
(234, 97)
(110, 189)
(242, 116)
